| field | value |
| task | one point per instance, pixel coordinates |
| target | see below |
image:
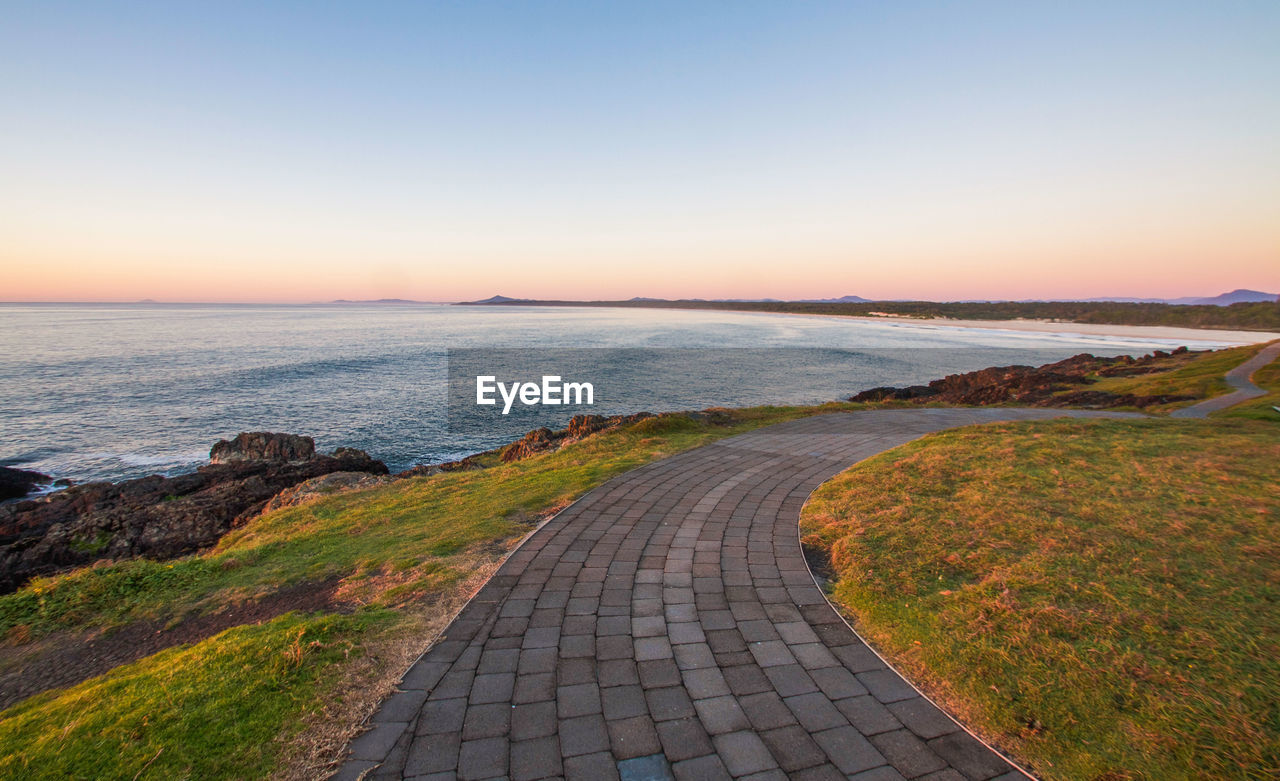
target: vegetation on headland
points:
(1256, 316)
(1098, 597)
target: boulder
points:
(16, 483)
(263, 446)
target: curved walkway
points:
(1238, 378)
(667, 626)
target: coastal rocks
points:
(332, 483)
(16, 483)
(1044, 386)
(263, 446)
(580, 427)
(535, 441)
(160, 517)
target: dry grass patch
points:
(1098, 597)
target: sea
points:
(117, 391)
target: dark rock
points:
(263, 446)
(1039, 386)
(159, 517)
(16, 483)
(535, 441)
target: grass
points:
(1099, 597)
(1201, 377)
(1261, 408)
(228, 707)
(215, 709)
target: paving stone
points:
(481, 759)
(442, 716)
(402, 706)
(658, 673)
(651, 648)
(633, 737)
(497, 687)
(792, 748)
(743, 753)
(684, 739)
(705, 768)
(966, 754)
(705, 682)
(907, 753)
(887, 686)
(815, 712)
(583, 735)
(534, 688)
(849, 750)
(766, 711)
(923, 718)
(591, 767)
(487, 721)
(623, 702)
(837, 683)
(789, 680)
(721, 714)
(671, 702)
(378, 741)
(534, 720)
(433, 754)
(746, 679)
(578, 700)
(535, 759)
(868, 715)
(650, 768)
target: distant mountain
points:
(497, 300)
(840, 300)
(1241, 296)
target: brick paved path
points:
(666, 625)
(1239, 379)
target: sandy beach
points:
(1088, 329)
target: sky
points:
(446, 151)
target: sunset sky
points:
(444, 151)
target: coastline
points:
(1233, 338)
(1086, 329)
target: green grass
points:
(1261, 408)
(215, 709)
(1098, 597)
(1201, 376)
(228, 706)
(417, 532)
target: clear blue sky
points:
(448, 150)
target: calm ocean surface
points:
(92, 392)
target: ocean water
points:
(110, 392)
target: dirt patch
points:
(67, 658)
(320, 747)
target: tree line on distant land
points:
(1256, 316)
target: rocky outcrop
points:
(161, 517)
(263, 446)
(16, 483)
(1044, 386)
(541, 440)
(325, 485)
